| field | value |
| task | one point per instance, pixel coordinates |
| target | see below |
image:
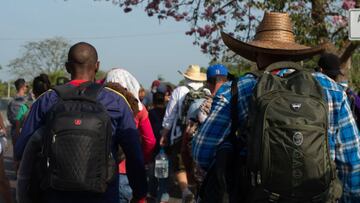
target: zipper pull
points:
(258, 178)
(253, 181)
(54, 138)
(48, 162)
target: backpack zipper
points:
(54, 138)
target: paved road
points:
(9, 169)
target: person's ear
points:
(97, 66)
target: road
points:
(10, 172)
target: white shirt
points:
(173, 109)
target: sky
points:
(133, 41)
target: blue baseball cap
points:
(216, 70)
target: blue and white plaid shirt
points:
(343, 133)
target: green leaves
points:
(46, 56)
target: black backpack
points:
(77, 145)
(13, 109)
(288, 148)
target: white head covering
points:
(125, 79)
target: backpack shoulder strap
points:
(190, 88)
(255, 73)
(284, 65)
(234, 109)
(86, 91)
(121, 95)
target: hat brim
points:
(199, 78)
(290, 51)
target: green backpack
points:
(190, 97)
(288, 149)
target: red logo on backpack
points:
(77, 122)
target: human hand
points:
(164, 138)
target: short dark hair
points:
(19, 83)
(82, 53)
(330, 64)
(41, 84)
(158, 98)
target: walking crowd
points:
(280, 133)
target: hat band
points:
(275, 35)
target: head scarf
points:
(125, 79)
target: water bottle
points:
(161, 165)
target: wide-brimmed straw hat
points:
(193, 72)
(273, 36)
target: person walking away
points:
(216, 76)
(148, 98)
(129, 82)
(13, 109)
(289, 141)
(174, 123)
(27, 188)
(88, 123)
(41, 85)
(157, 187)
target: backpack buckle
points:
(274, 197)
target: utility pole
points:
(8, 93)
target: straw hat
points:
(273, 36)
(193, 73)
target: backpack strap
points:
(190, 88)
(121, 95)
(234, 109)
(255, 73)
(86, 91)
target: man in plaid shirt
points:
(343, 133)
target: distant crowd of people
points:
(280, 133)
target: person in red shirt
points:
(148, 141)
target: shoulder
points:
(143, 114)
(245, 85)
(327, 83)
(112, 99)
(49, 96)
(180, 91)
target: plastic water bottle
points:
(161, 165)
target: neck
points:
(21, 93)
(83, 77)
(264, 60)
(217, 87)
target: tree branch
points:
(348, 50)
(224, 6)
(350, 46)
(318, 16)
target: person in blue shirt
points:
(83, 64)
(274, 42)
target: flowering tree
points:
(315, 21)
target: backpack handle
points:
(284, 65)
(86, 91)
